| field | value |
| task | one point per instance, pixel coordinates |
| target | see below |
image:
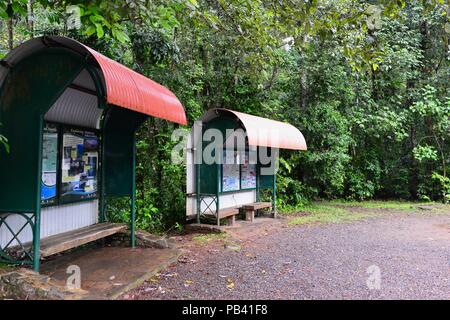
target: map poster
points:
(248, 174)
(49, 164)
(230, 172)
(79, 165)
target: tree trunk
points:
(303, 91)
(30, 18)
(10, 29)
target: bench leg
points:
(249, 215)
(231, 220)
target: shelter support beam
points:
(133, 197)
(218, 168)
(197, 190)
(274, 190)
(257, 175)
(37, 213)
(102, 217)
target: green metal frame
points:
(60, 67)
(119, 159)
(26, 252)
(133, 197)
(26, 96)
(212, 196)
(257, 177)
(37, 215)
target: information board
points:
(49, 164)
(230, 171)
(79, 165)
(248, 173)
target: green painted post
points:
(102, 217)
(257, 174)
(133, 197)
(37, 213)
(218, 192)
(274, 190)
(197, 190)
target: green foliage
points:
(366, 82)
(359, 188)
(4, 142)
(444, 183)
(423, 153)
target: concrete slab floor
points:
(108, 272)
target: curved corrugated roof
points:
(264, 132)
(123, 86)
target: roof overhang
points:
(263, 132)
(123, 87)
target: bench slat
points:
(223, 213)
(227, 212)
(68, 240)
(257, 205)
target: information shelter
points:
(70, 115)
(231, 157)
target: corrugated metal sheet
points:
(75, 108)
(264, 132)
(84, 80)
(54, 220)
(124, 87)
(129, 89)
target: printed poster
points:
(49, 164)
(79, 165)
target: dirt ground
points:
(387, 254)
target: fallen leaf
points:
(169, 275)
(230, 284)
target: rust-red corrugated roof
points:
(123, 86)
(129, 89)
(264, 132)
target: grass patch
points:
(378, 204)
(337, 211)
(5, 267)
(326, 213)
(206, 238)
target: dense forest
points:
(367, 83)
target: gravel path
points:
(327, 261)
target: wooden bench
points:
(229, 213)
(250, 209)
(69, 240)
